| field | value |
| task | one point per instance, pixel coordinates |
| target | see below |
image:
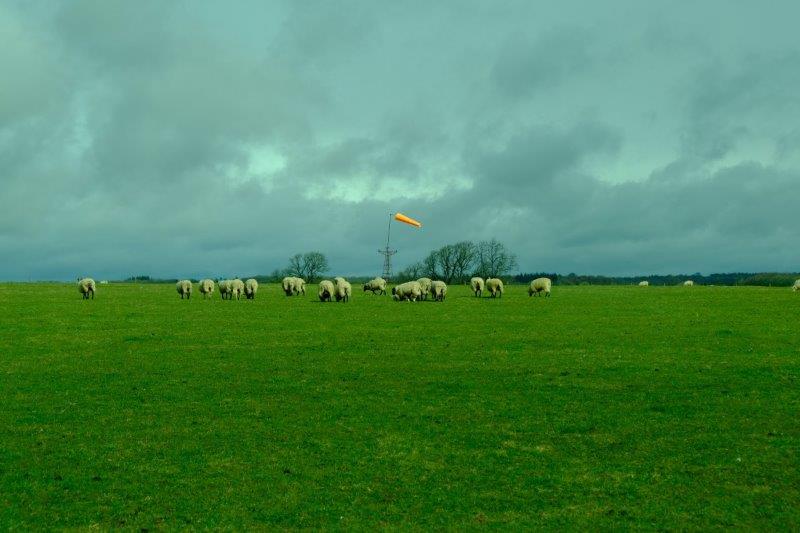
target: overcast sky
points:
(219, 138)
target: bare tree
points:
(465, 254)
(494, 260)
(430, 265)
(308, 266)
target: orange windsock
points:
(400, 217)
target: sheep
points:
(688, 283)
(237, 288)
(326, 290)
(425, 286)
(225, 289)
(540, 285)
(644, 283)
(86, 287)
(206, 288)
(293, 286)
(796, 286)
(377, 284)
(477, 285)
(343, 290)
(250, 288)
(184, 288)
(300, 286)
(495, 287)
(438, 290)
(407, 291)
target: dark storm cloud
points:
(208, 139)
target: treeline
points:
(763, 279)
(457, 263)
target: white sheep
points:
(87, 287)
(409, 290)
(425, 287)
(688, 283)
(184, 288)
(796, 286)
(495, 287)
(540, 285)
(438, 290)
(343, 290)
(225, 289)
(237, 288)
(288, 285)
(250, 288)
(300, 286)
(644, 283)
(326, 290)
(477, 285)
(376, 285)
(206, 287)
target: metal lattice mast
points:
(387, 254)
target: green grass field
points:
(601, 407)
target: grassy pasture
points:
(601, 407)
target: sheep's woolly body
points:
(225, 289)
(206, 287)
(292, 286)
(407, 291)
(237, 288)
(87, 288)
(184, 288)
(495, 287)
(477, 285)
(438, 290)
(250, 288)
(644, 283)
(343, 290)
(540, 285)
(326, 290)
(425, 287)
(688, 283)
(796, 286)
(300, 286)
(376, 285)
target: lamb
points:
(326, 290)
(540, 285)
(438, 290)
(796, 286)
(206, 287)
(250, 288)
(495, 287)
(644, 283)
(376, 285)
(425, 286)
(343, 290)
(184, 288)
(86, 287)
(407, 291)
(477, 285)
(688, 283)
(237, 288)
(225, 289)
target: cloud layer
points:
(192, 139)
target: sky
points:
(192, 139)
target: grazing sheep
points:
(796, 286)
(225, 289)
(376, 285)
(495, 287)
(104, 282)
(184, 288)
(86, 287)
(237, 288)
(407, 291)
(540, 285)
(206, 287)
(326, 290)
(688, 283)
(425, 286)
(300, 286)
(343, 290)
(438, 290)
(250, 288)
(644, 283)
(288, 285)
(477, 285)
